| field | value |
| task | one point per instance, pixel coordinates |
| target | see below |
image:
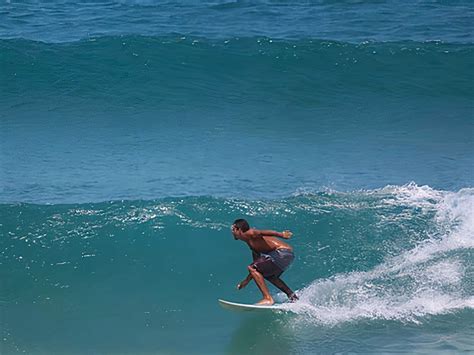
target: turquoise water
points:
(133, 133)
(377, 271)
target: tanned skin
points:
(263, 241)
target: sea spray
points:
(429, 279)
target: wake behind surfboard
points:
(242, 307)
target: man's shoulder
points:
(253, 232)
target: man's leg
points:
(281, 285)
(260, 281)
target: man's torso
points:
(267, 244)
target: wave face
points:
(399, 258)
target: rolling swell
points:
(176, 70)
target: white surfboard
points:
(242, 307)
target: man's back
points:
(261, 243)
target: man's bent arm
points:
(271, 233)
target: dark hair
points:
(242, 224)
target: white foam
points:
(429, 279)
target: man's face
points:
(235, 231)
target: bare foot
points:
(266, 302)
(293, 297)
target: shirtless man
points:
(271, 257)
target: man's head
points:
(239, 227)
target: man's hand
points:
(242, 284)
(286, 234)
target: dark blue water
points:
(343, 20)
(133, 133)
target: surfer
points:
(271, 257)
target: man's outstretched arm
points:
(245, 282)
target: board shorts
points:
(273, 263)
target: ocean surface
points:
(133, 133)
